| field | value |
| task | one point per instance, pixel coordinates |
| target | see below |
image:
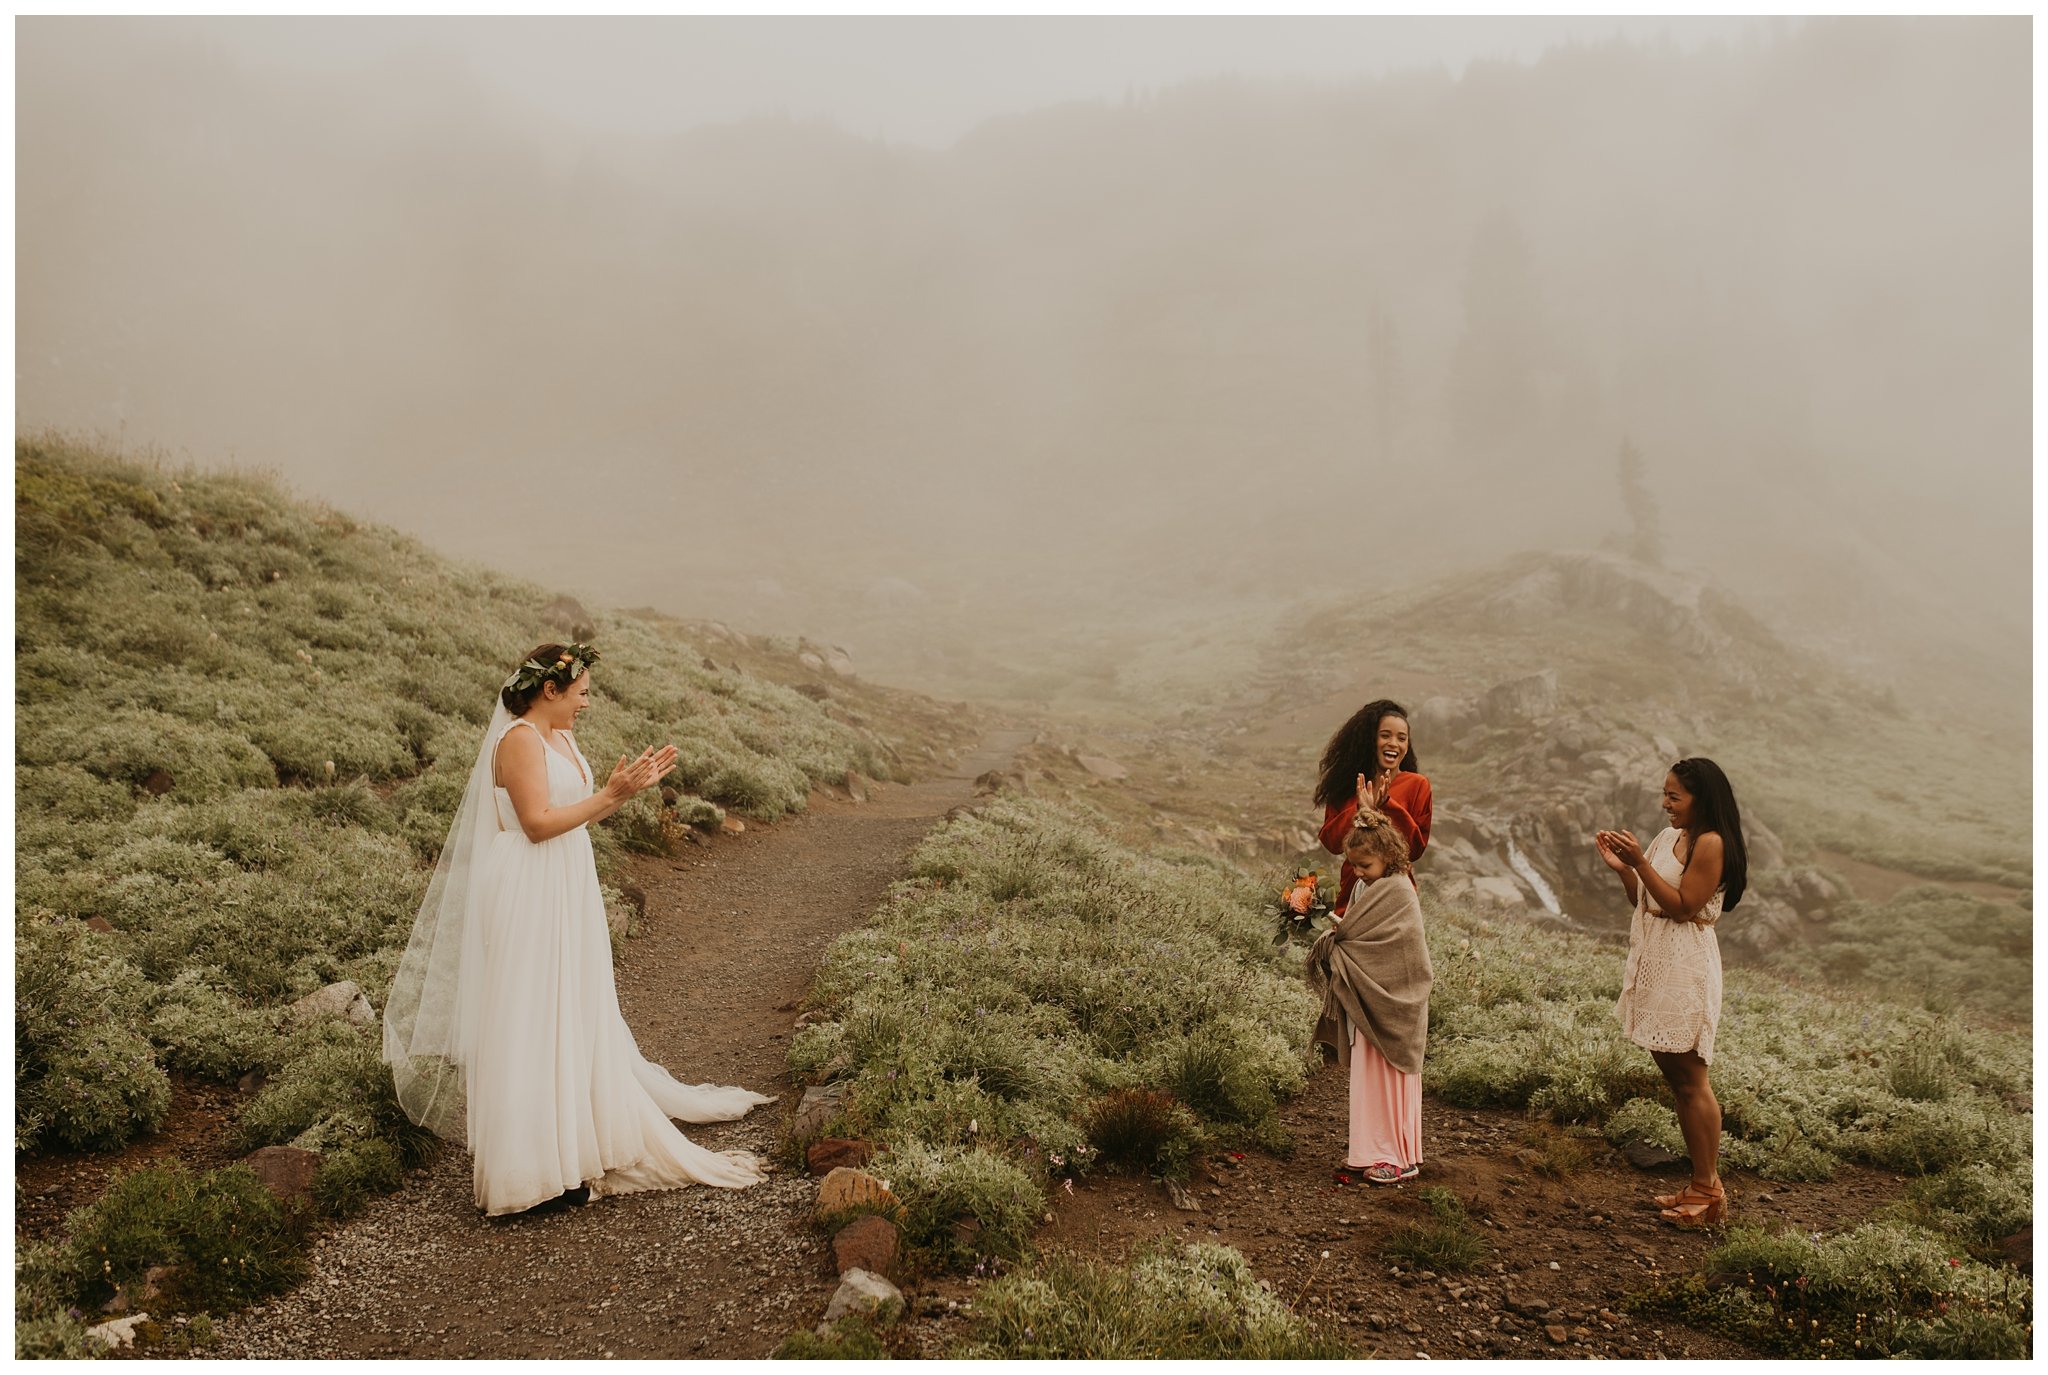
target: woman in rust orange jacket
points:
(1370, 758)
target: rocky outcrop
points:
(336, 1000)
(1555, 774)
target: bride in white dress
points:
(503, 1026)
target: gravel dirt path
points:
(727, 947)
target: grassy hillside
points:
(242, 725)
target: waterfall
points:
(1519, 862)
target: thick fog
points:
(1112, 361)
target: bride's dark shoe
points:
(568, 1198)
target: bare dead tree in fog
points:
(1645, 541)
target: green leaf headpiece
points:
(568, 666)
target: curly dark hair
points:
(1354, 750)
(1714, 809)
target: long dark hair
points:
(1714, 809)
(1355, 750)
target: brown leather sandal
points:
(1697, 1207)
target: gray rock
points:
(1182, 1198)
(865, 1293)
(1103, 767)
(819, 1105)
(1444, 719)
(1520, 699)
(1645, 1155)
(342, 999)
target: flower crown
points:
(568, 666)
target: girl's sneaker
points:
(1388, 1173)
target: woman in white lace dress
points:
(503, 1028)
(1670, 999)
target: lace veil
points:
(430, 1018)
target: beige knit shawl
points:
(1372, 969)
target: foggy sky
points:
(1090, 329)
(923, 81)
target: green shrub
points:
(1882, 1289)
(85, 1076)
(1213, 1077)
(53, 1337)
(205, 1032)
(1447, 1243)
(1191, 1302)
(852, 1338)
(961, 1206)
(332, 1093)
(224, 1236)
(354, 1174)
(1975, 1202)
(1143, 1130)
(1029, 968)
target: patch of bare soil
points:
(1876, 883)
(48, 1185)
(728, 945)
(1563, 1252)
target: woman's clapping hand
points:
(1619, 850)
(632, 776)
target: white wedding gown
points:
(559, 1094)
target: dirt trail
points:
(730, 940)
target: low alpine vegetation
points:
(1035, 999)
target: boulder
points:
(1102, 767)
(867, 1295)
(819, 1105)
(342, 999)
(731, 826)
(811, 661)
(286, 1171)
(829, 1153)
(847, 1189)
(1520, 700)
(839, 661)
(1441, 720)
(868, 1243)
(856, 786)
(1499, 892)
(570, 617)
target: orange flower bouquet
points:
(1301, 904)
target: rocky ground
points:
(1563, 1251)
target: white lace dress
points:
(1671, 989)
(559, 1094)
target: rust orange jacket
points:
(1408, 805)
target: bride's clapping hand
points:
(631, 776)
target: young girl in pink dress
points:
(1373, 968)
